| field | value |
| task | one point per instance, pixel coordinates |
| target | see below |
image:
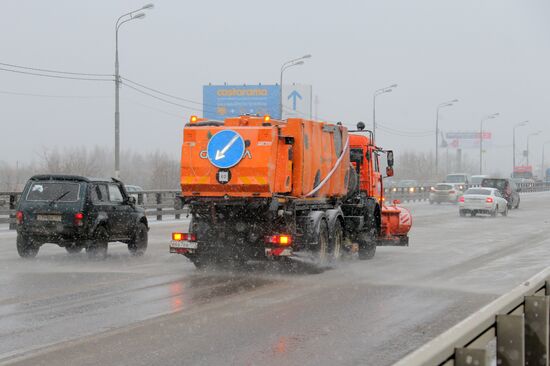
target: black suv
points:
(506, 187)
(78, 213)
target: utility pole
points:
(491, 116)
(442, 105)
(316, 102)
(514, 144)
(130, 16)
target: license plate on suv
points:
(54, 218)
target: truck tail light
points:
(19, 217)
(461, 199)
(489, 200)
(78, 219)
(282, 239)
(184, 237)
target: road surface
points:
(158, 310)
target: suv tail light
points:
(184, 237)
(282, 239)
(19, 217)
(489, 200)
(78, 219)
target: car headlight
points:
(411, 189)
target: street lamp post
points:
(130, 16)
(442, 105)
(514, 143)
(543, 176)
(387, 89)
(295, 62)
(528, 138)
(491, 116)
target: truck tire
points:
(367, 245)
(98, 248)
(336, 242)
(25, 247)
(322, 255)
(462, 213)
(138, 245)
(199, 261)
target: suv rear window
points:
(48, 191)
(494, 183)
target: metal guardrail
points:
(160, 203)
(422, 193)
(519, 322)
(157, 203)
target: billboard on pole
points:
(467, 140)
(223, 101)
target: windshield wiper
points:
(58, 198)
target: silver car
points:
(445, 192)
(482, 200)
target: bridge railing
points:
(160, 203)
(518, 322)
(157, 204)
(422, 193)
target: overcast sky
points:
(492, 55)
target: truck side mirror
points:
(390, 158)
(132, 200)
(389, 171)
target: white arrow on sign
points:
(220, 154)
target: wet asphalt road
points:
(65, 310)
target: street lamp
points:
(542, 161)
(129, 16)
(514, 143)
(387, 89)
(442, 105)
(528, 138)
(491, 116)
(295, 62)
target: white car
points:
(482, 200)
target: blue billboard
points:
(223, 101)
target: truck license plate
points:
(184, 244)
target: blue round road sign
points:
(225, 149)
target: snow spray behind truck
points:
(259, 188)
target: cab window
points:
(376, 166)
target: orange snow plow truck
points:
(259, 188)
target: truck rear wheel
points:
(337, 242)
(367, 245)
(322, 251)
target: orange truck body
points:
(293, 187)
(266, 168)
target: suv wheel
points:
(138, 245)
(26, 248)
(98, 248)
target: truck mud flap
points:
(397, 241)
